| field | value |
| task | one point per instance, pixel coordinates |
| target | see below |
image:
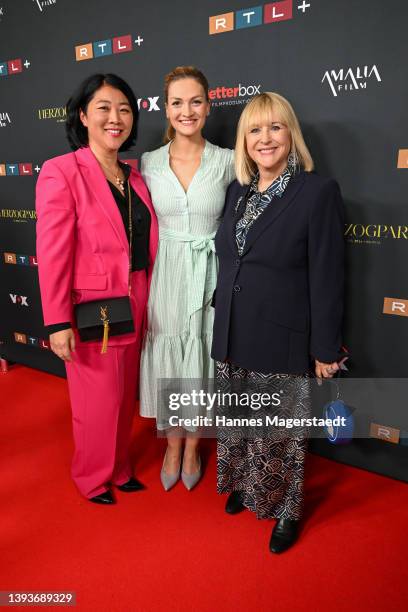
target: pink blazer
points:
(82, 248)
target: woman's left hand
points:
(326, 370)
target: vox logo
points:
(148, 104)
(110, 46)
(21, 300)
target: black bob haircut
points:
(77, 133)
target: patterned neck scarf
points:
(257, 202)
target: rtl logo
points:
(402, 158)
(14, 66)
(20, 300)
(25, 169)
(383, 432)
(31, 340)
(395, 306)
(20, 260)
(256, 16)
(101, 48)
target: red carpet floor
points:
(179, 551)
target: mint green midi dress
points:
(177, 343)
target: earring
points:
(293, 162)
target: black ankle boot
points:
(234, 503)
(284, 534)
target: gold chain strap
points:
(130, 236)
(104, 310)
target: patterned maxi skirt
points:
(268, 467)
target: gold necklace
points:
(119, 182)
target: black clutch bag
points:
(100, 319)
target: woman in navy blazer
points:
(278, 304)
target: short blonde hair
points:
(256, 111)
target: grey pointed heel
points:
(190, 480)
(169, 480)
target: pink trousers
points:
(103, 391)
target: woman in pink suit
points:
(84, 235)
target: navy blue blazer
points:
(281, 303)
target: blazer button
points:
(237, 262)
(237, 288)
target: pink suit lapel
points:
(97, 182)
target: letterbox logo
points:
(148, 104)
(395, 306)
(402, 158)
(234, 94)
(21, 215)
(14, 66)
(20, 260)
(272, 12)
(4, 119)
(57, 113)
(101, 48)
(25, 169)
(18, 300)
(42, 4)
(372, 233)
(350, 79)
(383, 432)
(31, 340)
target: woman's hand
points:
(63, 343)
(325, 370)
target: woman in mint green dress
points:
(188, 179)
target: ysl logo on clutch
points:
(105, 321)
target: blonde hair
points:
(257, 110)
(182, 72)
